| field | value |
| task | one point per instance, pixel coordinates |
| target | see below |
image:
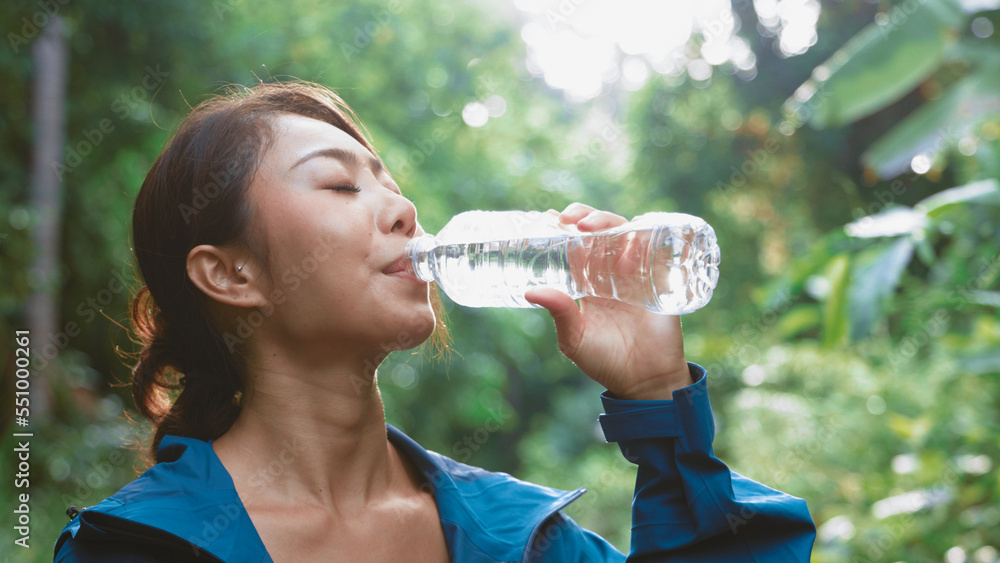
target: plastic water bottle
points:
(667, 263)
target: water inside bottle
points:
(497, 273)
(665, 269)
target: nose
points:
(401, 215)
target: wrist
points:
(659, 388)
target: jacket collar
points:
(188, 495)
(486, 516)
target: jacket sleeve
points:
(562, 540)
(688, 506)
(81, 542)
(72, 551)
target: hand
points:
(634, 353)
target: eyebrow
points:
(347, 157)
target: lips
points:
(397, 266)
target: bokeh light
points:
(581, 49)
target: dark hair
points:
(196, 193)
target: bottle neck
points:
(418, 251)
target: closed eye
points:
(345, 188)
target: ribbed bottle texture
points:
(667, 263)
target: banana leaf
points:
(874, 277)
(937, 125)
(879, 65)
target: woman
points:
(270, 237)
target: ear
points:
(226, 276)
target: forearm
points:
(687, 503)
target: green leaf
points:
(983, 297)
(983, 191)
(937, 125)
(982, 362)
(875, 276)
(797, 320)
(893, 222)
(974, 6)
(879, 65)
(926, 253)
(818, 259)
(835, 307)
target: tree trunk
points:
(48, 116)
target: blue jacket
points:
(688, 505)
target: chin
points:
(414, 326)
(424, 328)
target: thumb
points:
(565, 313)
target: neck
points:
(312, 435)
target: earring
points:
(239, 268)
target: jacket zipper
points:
(538, 527)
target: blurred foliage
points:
(853, 339)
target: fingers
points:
(575, 211)
(586, 218)
(565, 313)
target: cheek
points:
(318, 251)
(325, 268)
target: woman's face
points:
(335, 222)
